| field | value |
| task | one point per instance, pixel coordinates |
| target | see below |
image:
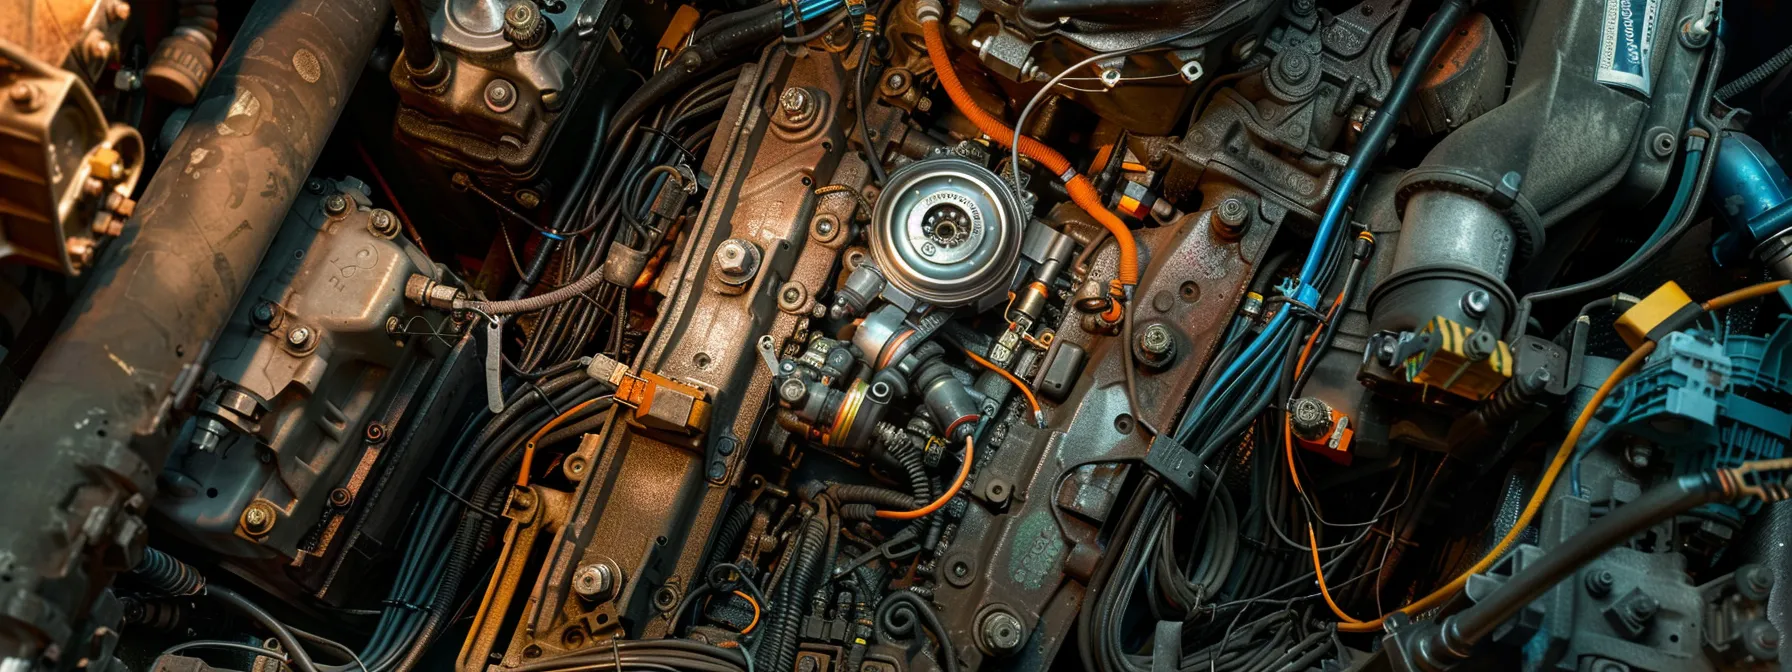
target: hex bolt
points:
(593, 581)
(1476, 303)
(798, 105)
(736, 261)
(258, 518)
(1599, 582)
(263, 313)
(1157, 346)
(335, 205)
(383, 223)
(500, 95)
(896, 81)
(1231, 218)
(1294, 65)
(299, 337)
(1002, 632)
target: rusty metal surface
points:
(88, 429)
(1009, 552)
(648, 505)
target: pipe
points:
(89, 430)
(421, 59)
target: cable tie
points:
(544, 398)
(463, 501)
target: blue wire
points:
(1587, 445)
(1681, 196)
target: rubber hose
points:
(883, 498)
(301, 660)
(858, 511)
(714, 49)
(166, 574)
(787, 618)
(1754, 77)
(728, 534)
(1081, 191)
(896, 618)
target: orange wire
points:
(1081, 191)
(755, 603)
(1319, 571)
(964, 471)
(522, 478)
(1038, 413)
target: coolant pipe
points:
(1753, 197)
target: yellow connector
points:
(1658, 307)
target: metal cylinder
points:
(1451, 260)
(90, 427)
(946, 231)
(420, 55)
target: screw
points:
(798, 105)
(1002, 632)
(896, 81)
(792, 391)
(1599, 583)
(335, 205)
(593, 580)
(314, 186)
(263, 314)
(500, 95)
(383, 223)
(394, 325)
(1157, 346)
(528, 198)
(299, 337)
(258, 518)
(376, 432)
(1476, 302)
(340, 498)
(825, 226)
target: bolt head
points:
(299, 337)
(1002, 632)
(593, 580)
(1156, 339)
(258, 518)
(383, 223)
(500, 95)
(335, 205)
(1233, 212)
(263, 312)
(1476, 303)
(24, 95)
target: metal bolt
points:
(1157, 346)
(500, 95)
(593, 580)
(24, 95)
(299, 337)
(1294, 65)
(314, 186)
(263, 313)
(376, 432)
(1002, 632)
(394, 325)
(792, 391)
(528, 198)
(340, 497)
(1643, 607)
(1476, 303)
(1312, 418)
(798, 105)
(335, 205)
(896, 81)
(1640, 455)
(736, 261)
(258, 518)
(825, 226)
(80, 250)
(1599, 583)
(383, 223)
(1231, 219)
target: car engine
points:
(895, 335)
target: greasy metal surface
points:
(456, 124)
(649, 505)
(88, 430)
(1019, 557)
(536, 515)
(316, 431)
(49, 30)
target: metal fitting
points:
(1002, 632)
(797, 107)
(500, 95)
(594, 580)
(423, 291)
(736, 262)
(1231, 219)
(1157, 346)
(258, 518)
(335, 205)
(382, 223)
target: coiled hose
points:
(164, 574)
(896, 619)
(786, 619)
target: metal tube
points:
(90, 429)
(420, 56)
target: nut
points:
(593, 580)
(736, 261)
(258, 518)
(1231, 219)
(1002, 632)
(1157, 346)
(263, 313)
(798, 105)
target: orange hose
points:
(1319, 572)
(522, 477)
(964, 472)
(1081, 191)
(755, 622)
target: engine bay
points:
(892, 336)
